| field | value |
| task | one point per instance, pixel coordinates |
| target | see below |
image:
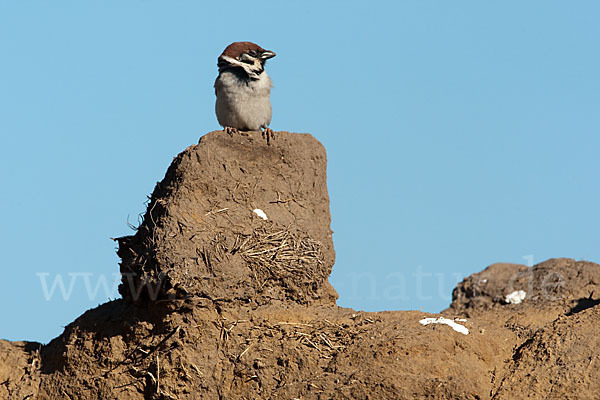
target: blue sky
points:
(459, 134)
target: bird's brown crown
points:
(236, 49)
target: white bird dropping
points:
(515, 297)
(445, 321)
(260, 213)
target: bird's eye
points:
(247, 58)
(252, 53)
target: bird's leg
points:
(268, 134)
(230, 131)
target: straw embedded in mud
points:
(284, 256)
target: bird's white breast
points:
(243, 104)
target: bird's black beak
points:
(266, 55)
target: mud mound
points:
(201, 235)
(560, 281)
(220, 303)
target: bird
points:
(243, 89)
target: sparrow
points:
(243, 89)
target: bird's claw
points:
(230, 131)
(268, 134)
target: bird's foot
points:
(230, 131)
(267, 133)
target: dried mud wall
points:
(225, 295)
